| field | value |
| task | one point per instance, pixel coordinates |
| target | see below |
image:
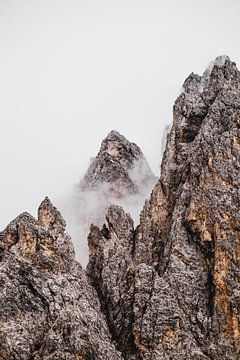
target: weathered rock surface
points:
(47, 308)
(177, 275)
(168, 289)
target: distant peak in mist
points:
(119, 140)
(119, 175)
(115, 134)
(113, 164)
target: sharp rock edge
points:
(168, 289)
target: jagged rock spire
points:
(113, 165)
(119, 175)
(50, 218)
(43, 241)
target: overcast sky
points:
(72, 70)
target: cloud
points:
(84, 207)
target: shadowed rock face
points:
(168, 289)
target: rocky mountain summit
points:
(118, 175)
(168, 289)
(114, 168)
(118, 172)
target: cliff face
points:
(168, 289)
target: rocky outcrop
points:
(47, 308)
(178, 273)
(168, 289)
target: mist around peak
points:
(118, 175)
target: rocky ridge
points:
(168, 289)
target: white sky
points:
(72, 70)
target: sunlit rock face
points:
(166, 289)
(175, 292)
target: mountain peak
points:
(119, 175)
(115, 160)
(220, 73)
(121, 149)
(50, 218)
(115, 134)
(42, 242)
